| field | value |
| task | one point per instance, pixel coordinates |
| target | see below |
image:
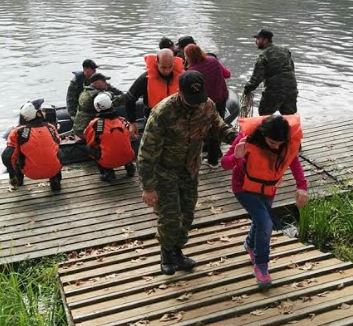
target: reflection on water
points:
(43, 41)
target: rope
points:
(246, 105)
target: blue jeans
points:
(259, 209)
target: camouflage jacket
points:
(173, 138)
(274, 67)
(86, 111)
(74, 90)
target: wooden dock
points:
(118, 282)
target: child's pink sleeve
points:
(228, 160)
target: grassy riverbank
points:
(328, 224)
(30, 296)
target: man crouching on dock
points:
(169, 160)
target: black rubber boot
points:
(107, 175)
(167, 258)
(130, 169)
(55, 182)
(182, 262)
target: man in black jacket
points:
(80, 79)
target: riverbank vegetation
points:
(328, 224)
(30, 294)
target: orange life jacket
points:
(39, 151)
(157, 87)
(261, 173)
(112, 138)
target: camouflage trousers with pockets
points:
(177, 197)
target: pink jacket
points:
(229, 162)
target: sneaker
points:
(212, 166)
(250, 251)
(130, 169)
(262, 275)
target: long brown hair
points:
(194, 54)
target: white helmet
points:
(103, 101)
(45, 106)
(28, 111)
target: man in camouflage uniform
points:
(81, 79)
(274, 67)
(86, 111)
(169, 162)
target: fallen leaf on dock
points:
(223, 259)
(198, 205)
(150, 291)
(305, 299)
(240, 299)
(184, 297)
(163, 286)
(79, 263)
(211, 242)
(340, 286)
(177, 316)
(312, 316)
(307, 267)
(216, 210)
(111, 276)
(213, 273)
(323, 294)
(292, 266)
(224, 238)
(148, 278)
(120, 211)
(257, 312)
(127, 230)
(28, 245)
(142, 322)
(286, 307)
(94, 279)
(344, 306)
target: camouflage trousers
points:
(177, 197)
(270, 103)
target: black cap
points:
(88, 63)
(184, 41)
(192, 86)
(265, 33)
(37, 103)
(165, 43)
(98, 76)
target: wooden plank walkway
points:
(89, 213)
(122, 285)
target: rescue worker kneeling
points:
(108, 139)
(33, 149)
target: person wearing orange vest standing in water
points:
(108, 139)
(33, 149)
(259, 156)
(158, 82)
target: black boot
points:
(130, 169)
(55, 182)
(167, 258)
(182, 262)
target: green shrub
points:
(328, 223)
(30, 295)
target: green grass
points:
(29, 294)
(328, 223)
